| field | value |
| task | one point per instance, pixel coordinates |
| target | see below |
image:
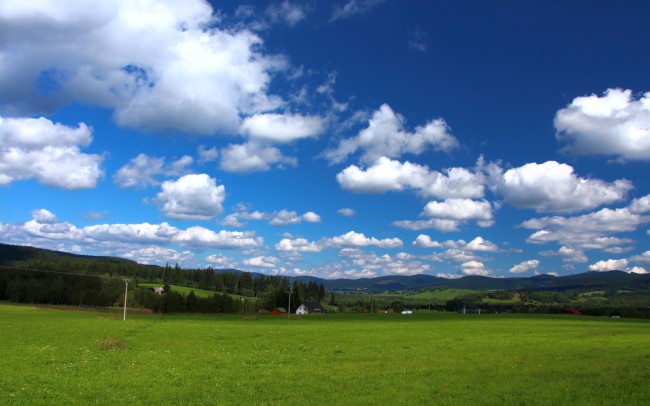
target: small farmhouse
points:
(310, 308)
(279, 311)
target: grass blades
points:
(79, 357)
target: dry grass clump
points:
(111, 344)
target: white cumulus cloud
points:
(553, 187)
(184, 73)
(37, 148)
(391, 175)
(251, 157)
(475, 268)
(526, 266)
(478, 244)
(609, 265)
(281, 128)
(386, 136)
(141, 171)
(297, 245)
(194, 197)
(354, 239)
(119, 239)
(262, 261)
(286, 217)
(347, 212)
(444, 225)
(459, 210)
(614, 124)
(591, 231)
(643, 259)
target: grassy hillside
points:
(184, 290)
(442, 295)
(85, 357)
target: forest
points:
(31, 275)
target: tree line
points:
(101, 284)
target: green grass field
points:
(183, 290)
(442, 295)
(54, 356)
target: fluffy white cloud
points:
(444, 225)
(297, 245)
(279, 218)
(475, 268)
(353, 274)
(385, 175)
(160, 256)
(281, 128)
(448, 215)
(480, 244)
(141, 171)
(251, 157)
(615, 124)
(609, 265)
(568, 254)
(477, 244)
(37, 148)
(459, 210)
(525, 266)
(391, 175)
(183, 73)
(638, 269)
(207, 154)
(262, 261)
(455, 256)
(354, 239)
(44, 216)
(386, 136)
(286, 217)
(643, 259)
(424, 241)
(347, 212)
(191, 197)
(640, 205)
(369, 262)
(46, 230)
(311, 217)
(448, 275)
(143, 233)
(203, 237)
(591, 230)
(454, 183)
(220, 261)
(553, 187)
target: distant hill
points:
(595, 280)
(14, 255)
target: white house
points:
(302, 309)
(309, 308)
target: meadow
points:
(64, 356)
(184, 290)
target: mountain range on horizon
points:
(14, 255)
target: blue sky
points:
(351, 138)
